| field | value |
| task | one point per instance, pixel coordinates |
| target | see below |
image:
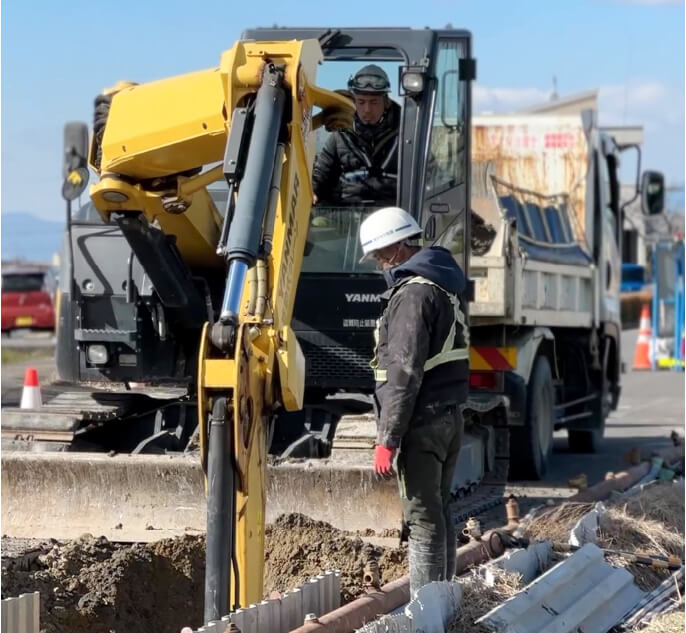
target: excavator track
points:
(61, 417)
(69, 415)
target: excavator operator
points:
(360, 165)
(421, 369)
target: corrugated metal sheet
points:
(581, 594)
(279, 615)
(662, 599)
(20, 615)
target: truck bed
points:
(518, 290)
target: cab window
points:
(446, 166)
(333, 244)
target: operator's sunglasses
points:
(369, 81)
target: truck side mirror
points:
(75, 160)
(652, 193)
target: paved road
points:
(25, 339)
(651, 407)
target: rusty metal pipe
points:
(626, 478)
(367, 608)
(512, 511)
(355, 614)
(370, 577)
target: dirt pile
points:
(299, 548)
(92, 585)
(95, 586)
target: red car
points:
(28, 294)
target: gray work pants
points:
(426, 462)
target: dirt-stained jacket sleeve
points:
(409, 318)
(327, 169)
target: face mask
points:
(388, 276)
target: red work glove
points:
(383, 461)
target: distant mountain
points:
(24, 236)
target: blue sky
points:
(56, 57)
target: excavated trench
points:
(96, 586)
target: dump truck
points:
(155, 285)
(546, 306)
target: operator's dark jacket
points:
(361, 164)
(416, 323)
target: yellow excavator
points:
(193, 295)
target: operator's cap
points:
(370, 80)
(384, 227)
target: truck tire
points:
(532, 444)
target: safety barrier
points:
(316, 597)
(20, 615)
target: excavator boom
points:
(254, 113)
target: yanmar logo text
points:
(362, 298)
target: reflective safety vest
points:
(449, 353)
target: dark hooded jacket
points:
(360, 165)
(414, 327)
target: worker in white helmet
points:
(421, 370)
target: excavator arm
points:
(156, 147)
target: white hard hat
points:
(384, 227)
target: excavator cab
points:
(122, 327)
(337, 301)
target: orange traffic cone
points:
(30, 395)
(642, 355)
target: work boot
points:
(427, 563)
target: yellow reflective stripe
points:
(448, 353)
(460, 353)
(460, 318)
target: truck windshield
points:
(333, 242)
